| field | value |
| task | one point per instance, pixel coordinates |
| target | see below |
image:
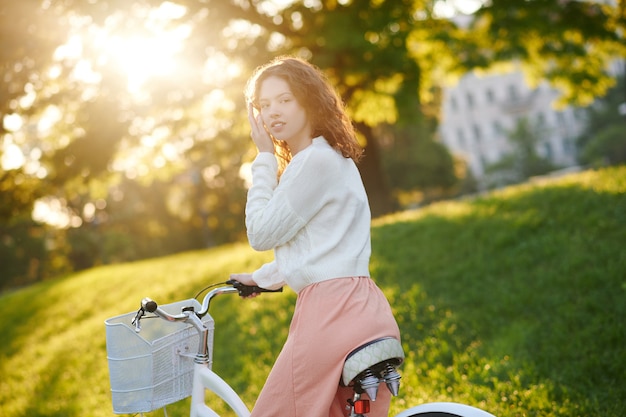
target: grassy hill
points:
(514, 302)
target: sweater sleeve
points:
(265, 219)
(269, 277)
(276, 212)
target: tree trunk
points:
(373, 175)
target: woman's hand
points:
(259, 135)
(245, 279)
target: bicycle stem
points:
(202, 357)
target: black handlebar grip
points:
(248, 290)
(149, 305)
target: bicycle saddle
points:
(374, 362)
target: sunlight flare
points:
(151, 50)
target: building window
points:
(453, 104)
(460, 138)
(498, 130)
(470, 100)
(490, 96)
(568, 146)
(483, 161)
(548, 150)
(477, 133)
(560, 118)
(541, 119)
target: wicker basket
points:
(153, 368)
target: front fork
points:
(206, 379)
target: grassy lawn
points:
(514, 302)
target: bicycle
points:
(155, 365)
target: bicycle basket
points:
(153, 368)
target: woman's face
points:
(283, 115)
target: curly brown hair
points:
(319, 99)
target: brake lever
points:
(248, 290)
(136, 321)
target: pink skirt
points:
(331, 319)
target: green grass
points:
(514, 302)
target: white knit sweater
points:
(316, 219)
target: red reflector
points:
(362, 406)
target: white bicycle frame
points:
(205, 379)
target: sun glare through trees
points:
(142, 48)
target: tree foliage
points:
(523, 161)
(567, 42)
(604, 139)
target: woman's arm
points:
(275, 213)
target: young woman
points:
(308, 204)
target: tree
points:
(523, 161)
(604, 139)
(29, 36)
(418, 164)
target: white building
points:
(479, 113)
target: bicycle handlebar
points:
(150, 306)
